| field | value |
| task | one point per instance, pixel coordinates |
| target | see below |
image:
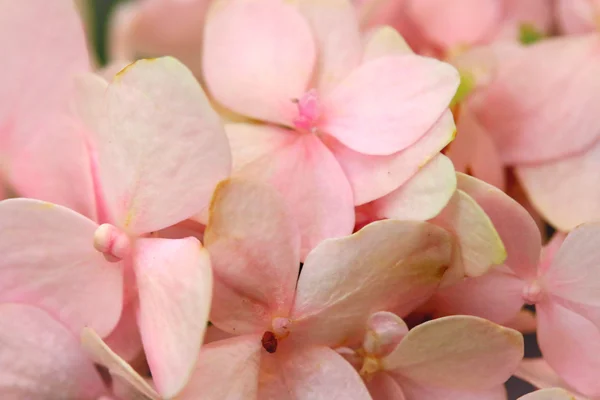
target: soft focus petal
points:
(43, 152)
(49, 260)
(311, 373)
(39, 358)
(159, 159)
(548, 394)
(518, 231)
(425, 392)
(372, 177)
(174, 280)
(578, 16)
(384, 41)
(125, 339)
(259, 55)
(458, 352)
(552, 88)
(304, 171)
(478, 244)
(423, 196)
(387, 104)
(567, 191)
(570, 344)
(386, 265)
(460, 22)
(537, 372)
(255, 251)
(117, 367)
(335, 26)
(226, 370)
(496, 296)
(524, 322)
(383, 387)
(574, 274)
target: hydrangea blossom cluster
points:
(300, 199)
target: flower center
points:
(280, 329)
(309, 111)
(532, 293)
(113, 243)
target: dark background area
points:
(99, 20)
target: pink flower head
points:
(43, 151)
(146, 121)
(458, 357)
(578, 16)
(335, 122)
(445, 26)
(561, 282)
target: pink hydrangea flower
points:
(333, 124)
(80, 271)
(561, 282)
(458, 357)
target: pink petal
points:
(142, 140)
(460, 22)
(573, 276)
(570, 344)
(548, 394)
(125, 338)
(226, 370)
(423, 196)
(373, 177)
(40, 358)
(383, 387)
(479, 246)
(566, 191)
(117, 367)
(536, 14)
(386, 265)
(309, 373)
(496, 296)
(550, 88)
(385, 330)
(304, 171)
(578, 16)
(421, 392)
(255, 251)
(387, 104)
(384, 41)
(457, 353)
(537, 372)
(35, 121)
(259, 55)
(518, 231)
(48, 260)
(174, 280)
(335, 26)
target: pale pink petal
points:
(566, 191)
(478, 244)
(578, 16)
(384, 41)
(40, 358)
(423, 196)
(550, 250)
(174, 280)
(304, 171)
(570, 344)
(459, 22)
(335, 26)
(548, 394)
(159, 161)
(496, 296)
(518, 231)
(457, 353)
(117, 367)
(384, 331)
(49, 260)
(387, 264)
(387, 104)
(553, 87)
(125, 339)
(226, 370)
(384, 387)
(538, 15)
(537, 372)
(309, 373)
(425, 392)
(214, 334)
(573, 278)
(255, 251)
(43, 152)
(372, 177)
(259, 55)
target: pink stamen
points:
(532, 293)
(113, 243)
(309, 111)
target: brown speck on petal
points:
(269, 342)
